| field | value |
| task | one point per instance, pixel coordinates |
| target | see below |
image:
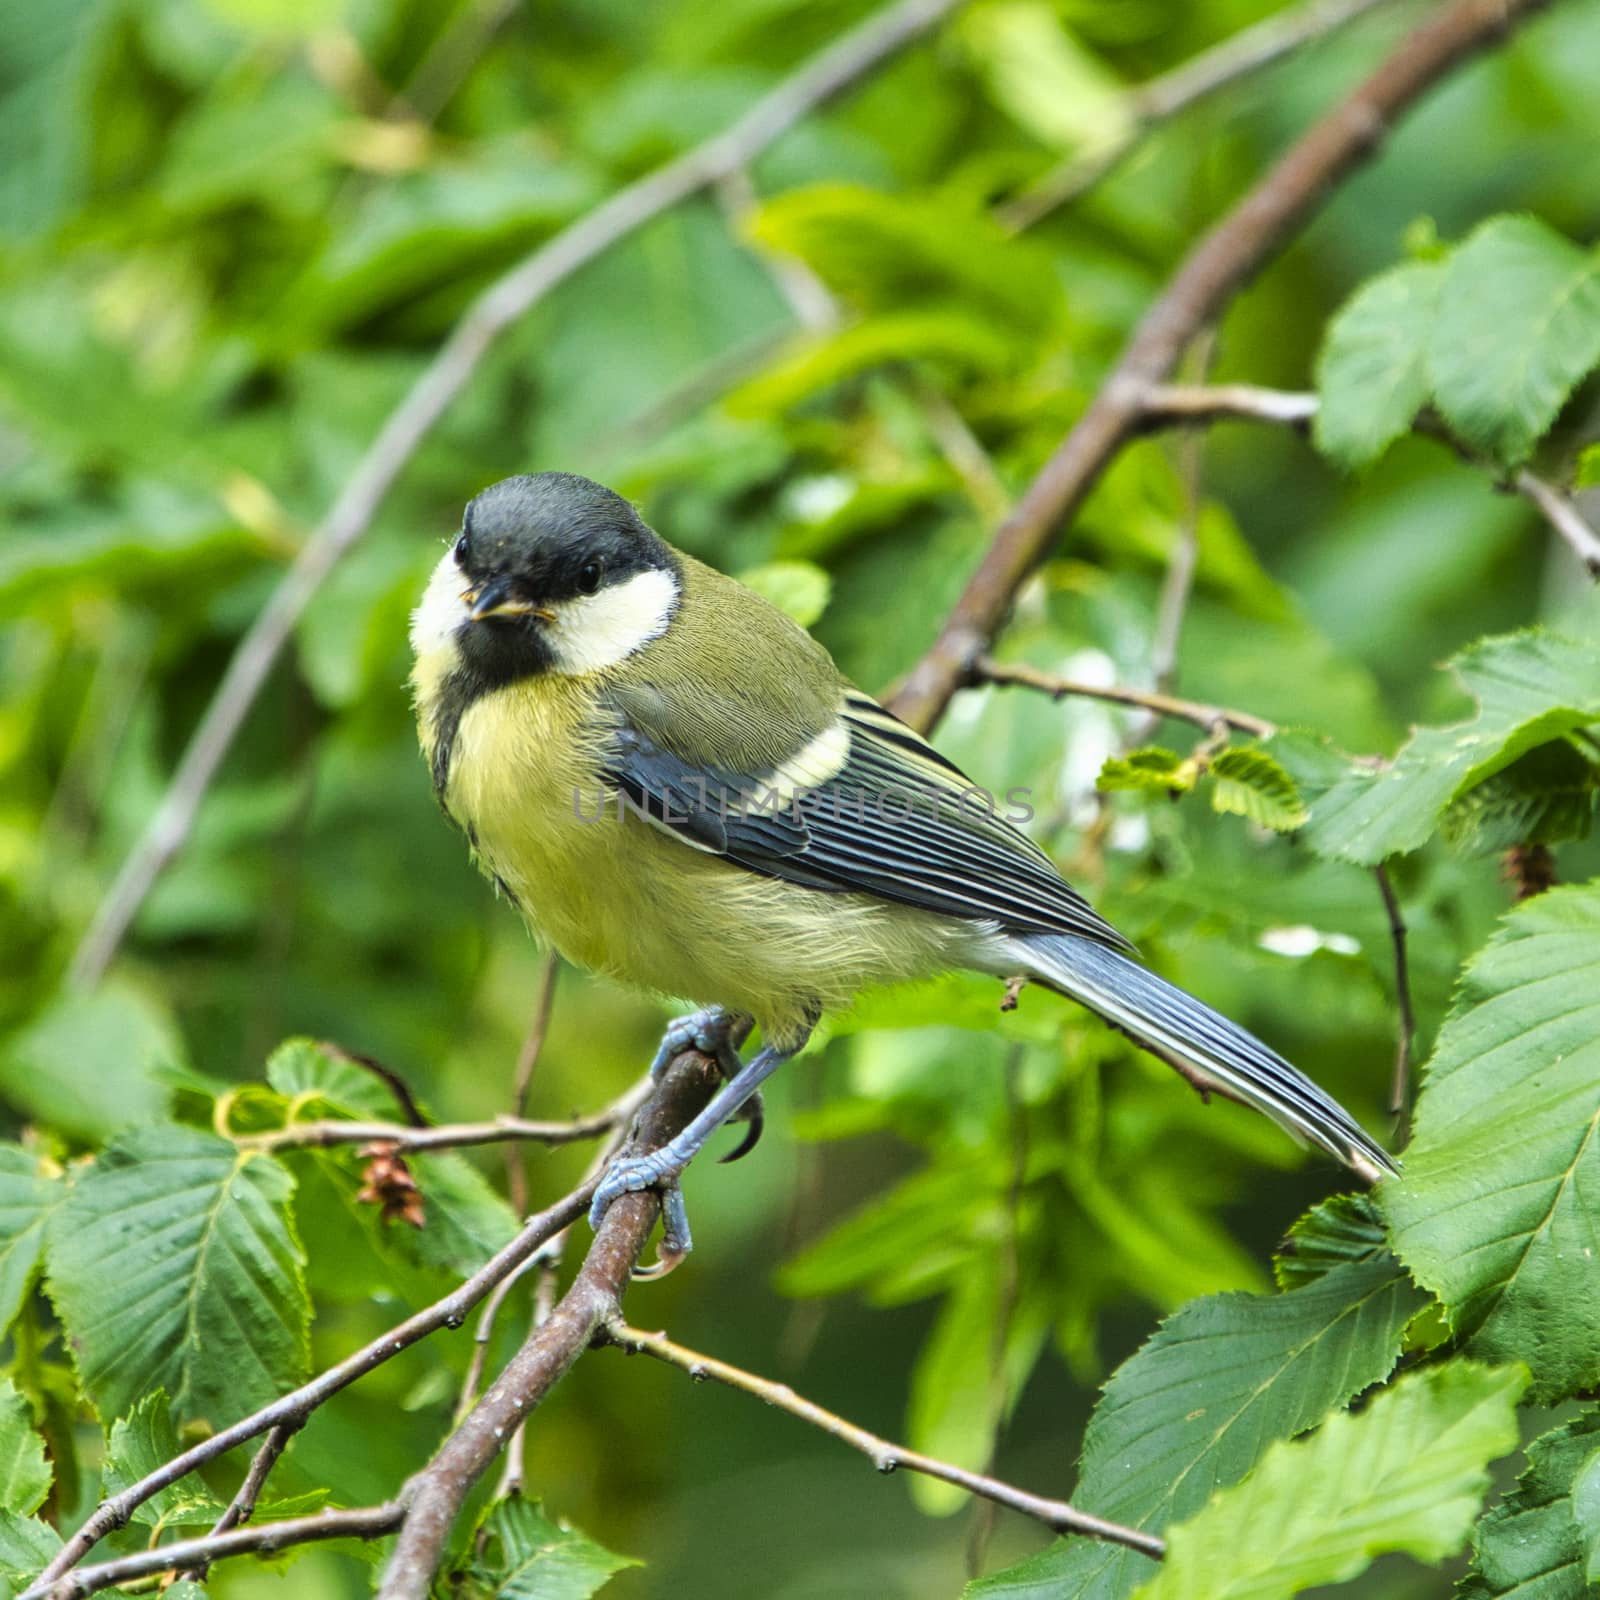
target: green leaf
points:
(1196, 1407)
(1544, 797)
(89, 1065)
(1408, 1473)
(313, 1074)
(1587, 475)
(174, 1264)
(1518, 328)
(30, 1189)
(1372, 374)
(1532, 1546)
(892, 253)
(143, 1441)
(465, 1220)
(800, 589)
(26, 1545)
(1532, 687)
(1039, 73)
(24, 1472)
(1252, 784)
(526, 1556)
(947, 338)
(1586, 1509)
(1149, 768)
(1494, 1211)
(1345, 1228)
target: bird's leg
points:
(712, 1031)
(718, 1034)
(661, 1169)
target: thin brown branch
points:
(1406, 1026)
(522, 1078)
(882, 1453)
(1173, 403)
(367, 1522)
(1235, 248)
(1159, 100)
(435, 1495)
(1564, 517)
(503, 303)
(441, 1136)
(293, 1408)
(987, 670)
(243, 1505)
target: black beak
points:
(495, 599)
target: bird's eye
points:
(589, 575)
(461, 551)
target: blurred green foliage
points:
(232, 232)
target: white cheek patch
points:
(592, 632)
(441, 610)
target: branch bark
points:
(435, 1495)
(1217, 267)
(884, 1455)
(987, 670)
(366, 1522)
(292, 1409)
(503, 303)
(1150, 104)
(1175, 403)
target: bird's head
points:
(550, 573)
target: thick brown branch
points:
(987, 670)
(1175, 403)
(294, 1408)
(505, 302)
(884, 1455)
(1235, 248)
(435, 1495)
(1150, 104)
(367, 1522)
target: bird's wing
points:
(866, 806)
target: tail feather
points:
(1201, 1043)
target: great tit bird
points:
(676, 786)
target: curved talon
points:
(755, 1115)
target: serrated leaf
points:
(1544, 797)
(174, 1264)
(24, 1472)
(1149, 768)
(136, 1446)
(526, 1556)
(1196, 1407)
(1346, 1228)
(312, 1071)
(28, 1194)
(1494, 1211)
(465, 1221)
(1408, 1473)
(1251, 784)
(1372, 373)
(26, 1545)
(1518, 327)
(89, 1065)
(1586, 1510)
(1531, 1546)
(1532, 687)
